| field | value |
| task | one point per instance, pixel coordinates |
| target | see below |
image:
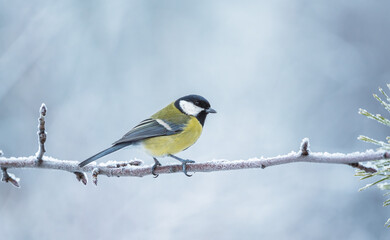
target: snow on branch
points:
(137, 169)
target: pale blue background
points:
(276, 71)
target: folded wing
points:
(150, 128)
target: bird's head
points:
(194, 105)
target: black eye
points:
(197, 103)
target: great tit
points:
(169, 131)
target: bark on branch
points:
(137, 169)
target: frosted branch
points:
(135, 168)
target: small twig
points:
(305, 152)
(81, 177)
(95, 173)
(9, 177)
(361, 167)
(41, 133)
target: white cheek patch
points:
(189, 108)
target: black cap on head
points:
(195, 99)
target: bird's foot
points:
(184, 165)
(156, 163)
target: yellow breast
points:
(172, 144)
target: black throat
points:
(201, 117)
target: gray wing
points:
(151, 128)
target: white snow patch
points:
(134, 162)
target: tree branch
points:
(136, 169)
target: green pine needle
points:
(374, 183)
(387, 224)
(383, 166)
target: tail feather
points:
(103, 153)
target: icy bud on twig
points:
(305, 147)
(41, 132)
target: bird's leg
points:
(156, 163)
(184, 163)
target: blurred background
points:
(276, 71)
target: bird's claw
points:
(156, 163)
(184, 166)
(183, 163)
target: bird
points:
(169, 131)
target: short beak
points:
(210, 110)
